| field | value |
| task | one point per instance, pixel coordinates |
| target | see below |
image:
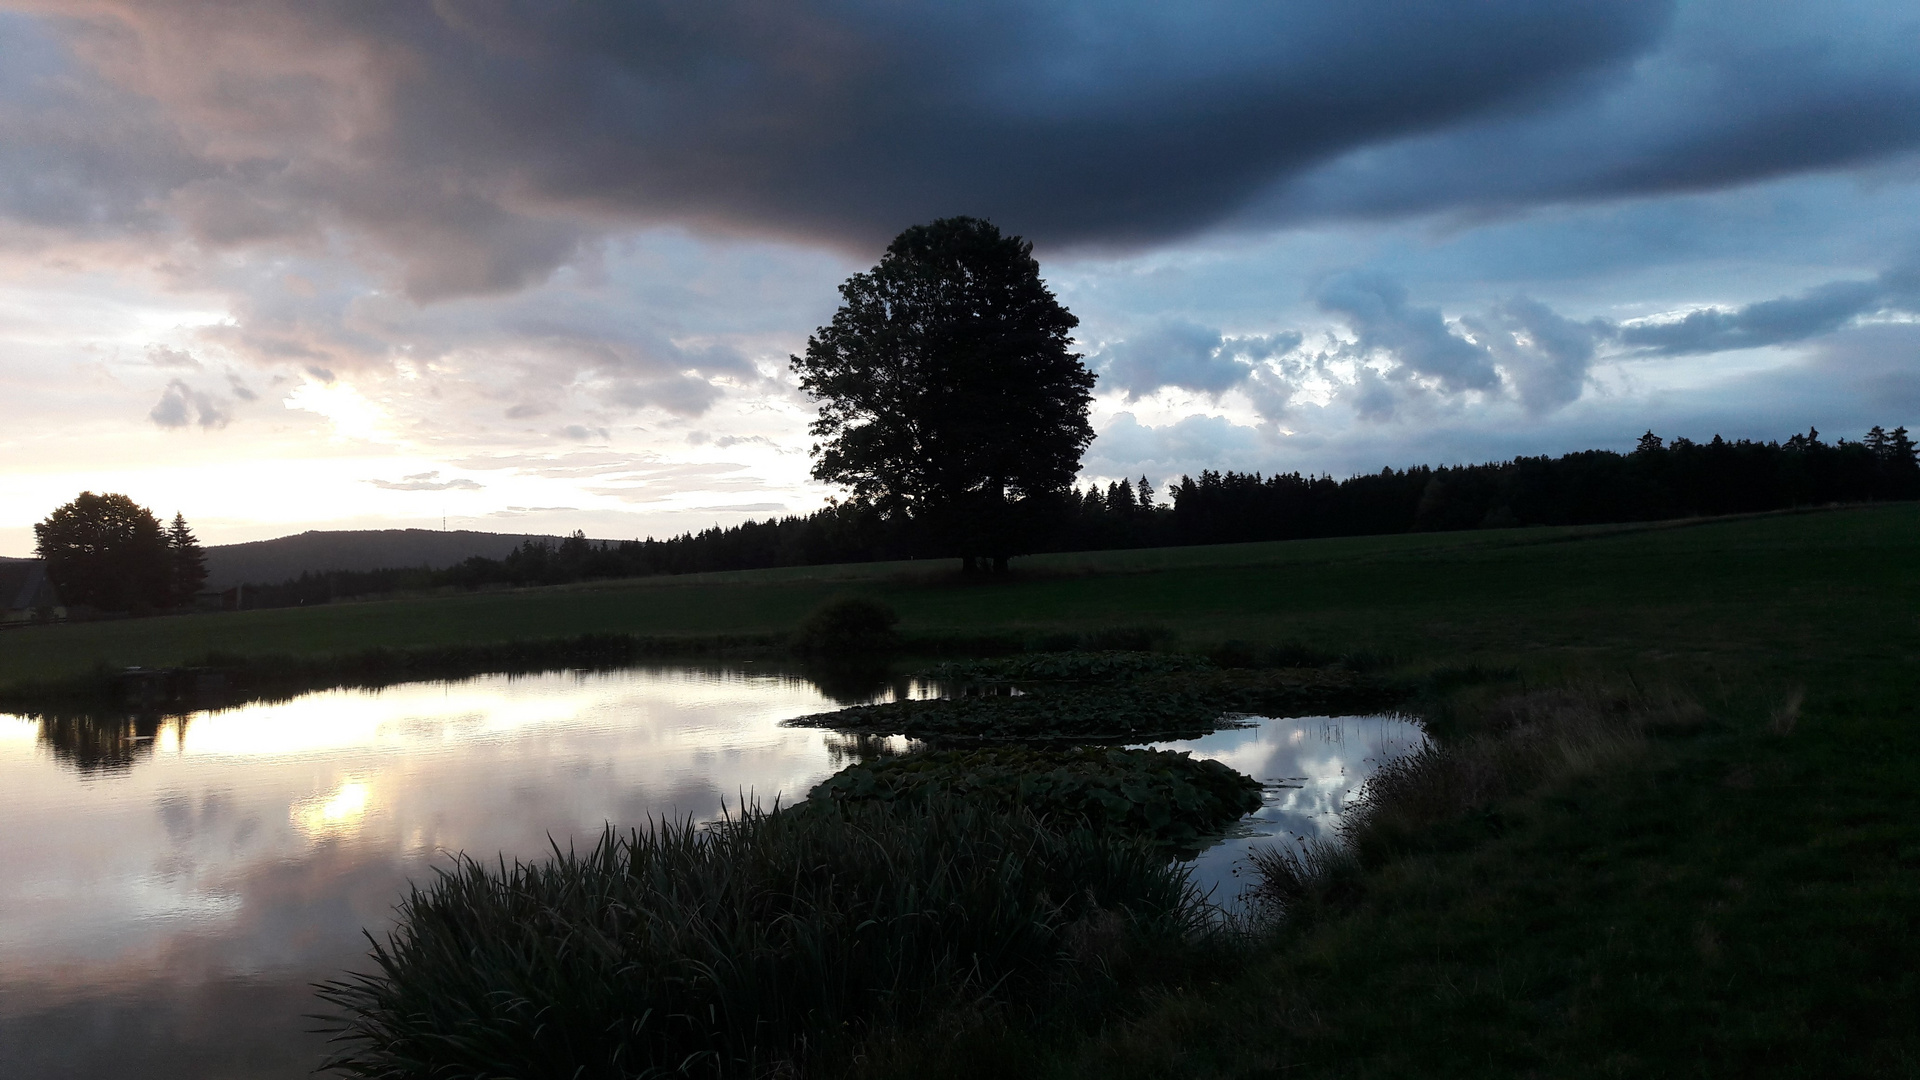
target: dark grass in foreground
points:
(1716, 881)
(766, 944)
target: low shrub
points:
(762, 945)
(1160, 796)
(847, 627)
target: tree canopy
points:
(949, 394)
(110, 553)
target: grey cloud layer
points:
(479, 145)
(1186, 355)
(1518, 346)
(181, 405)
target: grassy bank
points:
(1736, 895)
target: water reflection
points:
(173, 884)
(1309, 767)
(103, 743)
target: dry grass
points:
(1526, 741)
(1786, 715)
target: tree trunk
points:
(999, 565)
(968, 566)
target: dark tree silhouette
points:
(186, 562)
(105, 552)
(948, 394)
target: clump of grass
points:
(1527, 740)
(1295, 881)
(768, 943)
(1163, 797)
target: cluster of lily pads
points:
(1043, 733)
(1165, 798)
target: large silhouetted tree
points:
(107, 552)
(948, 392)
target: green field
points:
(1774, 591)
(1741, 898)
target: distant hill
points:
(269, 562)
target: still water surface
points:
(169, 892)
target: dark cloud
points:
(479, 145)
(427, 481)
(240, 388)
(181, 405)
(1730, 93)
(1819, 311)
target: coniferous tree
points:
(187, 562)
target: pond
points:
(173, 887)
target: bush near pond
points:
(760, 946)
(1161, 796)
(847, 627)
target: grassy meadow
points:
(1762, 593)
(1736, 895)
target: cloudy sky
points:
(527, 266)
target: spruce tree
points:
(187, 562)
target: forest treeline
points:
(1658, 480)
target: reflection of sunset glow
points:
(421, 716)
(19, 730)
(339, 812)
(321, 808)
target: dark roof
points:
(24, 585)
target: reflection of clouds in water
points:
(1310, 767)
(246, 833)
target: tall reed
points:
(756, 946)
